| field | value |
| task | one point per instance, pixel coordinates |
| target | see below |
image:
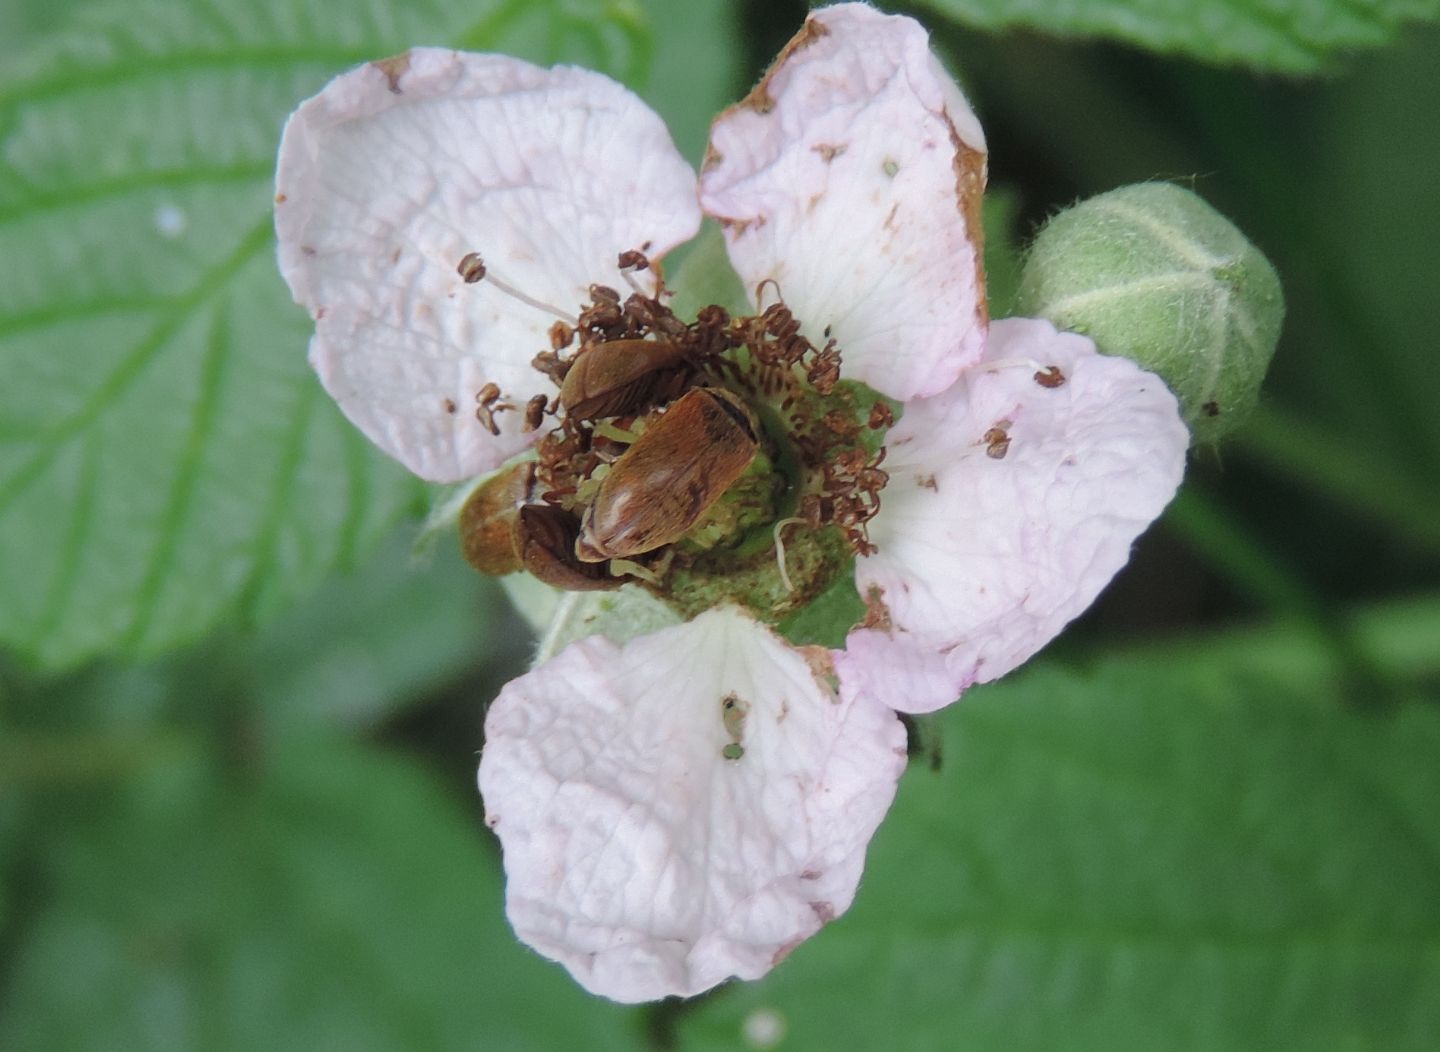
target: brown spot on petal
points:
(824, 910)
(784, 951)
(280, 199)
(741, 226)
(822, 667)
(877, 614)
(829, 151)
(810, 874)
(969, 165)
(394, 67)
(760, 100)
(927, 482)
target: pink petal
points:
(397, 170)
(640, 857)
(983, 560)
(851, 177)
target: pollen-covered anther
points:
(633, 260)
(997, 440)
(535, 412)
(1050, 376)
(842, 423)
(471, 268)
(561, 336)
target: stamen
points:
(760, 293)
(472, 269)
(633, 261)
(1045, 375)
(780, 552)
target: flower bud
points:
(1152, 273)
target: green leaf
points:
(166, 459)
(1156, 855)
(319, 896)
(361, 648)
(366, 645)
(1291, 36)
(704, 276)
(696, 70)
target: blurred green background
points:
(239, 716)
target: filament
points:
(473, 269)
(780, 552)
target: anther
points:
(534, 413)
(471, 268)
(487, 404)
(997, 441)
(629, 262)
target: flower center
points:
(720, 459)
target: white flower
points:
(689, 806)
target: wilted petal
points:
(852, 177)
(989, 547)
(397, 170)
(640, 857)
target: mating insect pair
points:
(689, 444)
(654, 425)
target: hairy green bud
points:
(1152, 273)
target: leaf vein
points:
(181, 498)
(159, 179)
(287, 470)
(133, 363)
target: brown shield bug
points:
(487, 521)
(502, 532)
(623, 377)
(688, 456)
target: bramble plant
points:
(783, 431)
